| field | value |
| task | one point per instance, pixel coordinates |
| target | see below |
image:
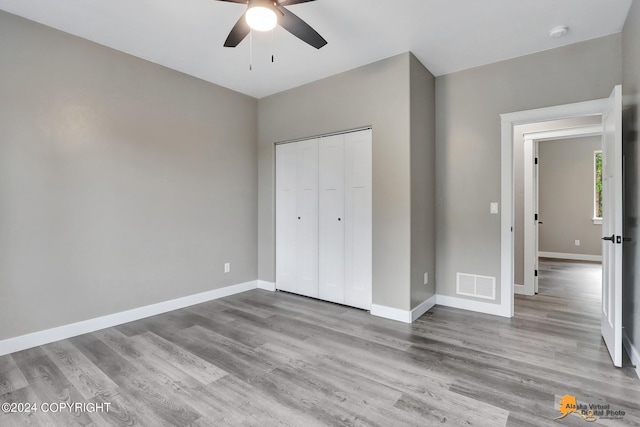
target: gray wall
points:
(122, 183)
(468, 104)
(377, 94)
(518, 179)
(631, 257)
(566, 196)
(423, 220)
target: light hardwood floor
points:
(264, 359)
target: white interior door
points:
(536, 209)
(307, 218)
(611, 324)
(358, 216)
(332, 250)
(530, 222)
(286, 216)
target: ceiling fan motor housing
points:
(269, 4)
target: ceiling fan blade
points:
(238, 32)
(300, 29)
(290, 2)
(237, 1)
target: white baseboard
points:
(576, 257)
(519, 290)
(423, 308)
(47, 336)
(267, 286)
(473, 305)
(405, 316)
(634, 354)
(391, 313)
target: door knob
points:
(339, 219)
(611, 239)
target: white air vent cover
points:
(477, 286)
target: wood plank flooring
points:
(267, 359)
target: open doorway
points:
(554, 195)
(558, 221)
(568, 230)
(610, 110)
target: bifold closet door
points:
(358, 214)
(324, 218)
(307, 218)
(331, 224)
(286, 216)
(297, 217)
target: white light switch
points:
(227, 267)
(426, 278)
(493, 208)
(577, 242)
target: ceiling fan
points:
(264, 15)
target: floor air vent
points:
(477, 286)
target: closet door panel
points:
(307, 218)
(286, 217)
(331, 209)
(358, 215)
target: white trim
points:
(323, 135)
(519, 289)
(391, 313)
(405, 316)
(423, 308)
(576, 257)
(530, 224)
(508, 121)
(634, 354)
(507, 296)
(558, 112)
(473, 305)
(565, 133)
(47, 336)
(267, 286)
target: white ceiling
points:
(445, 35)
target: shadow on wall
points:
(630, 209)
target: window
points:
(597, 187)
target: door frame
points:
(508, 122)
(531, 140)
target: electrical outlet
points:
(493, 208)
(227, 267)
(426, 278)
(577, 242)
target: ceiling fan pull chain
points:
(250, 50)
(273, 32)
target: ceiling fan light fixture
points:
(261, 18)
